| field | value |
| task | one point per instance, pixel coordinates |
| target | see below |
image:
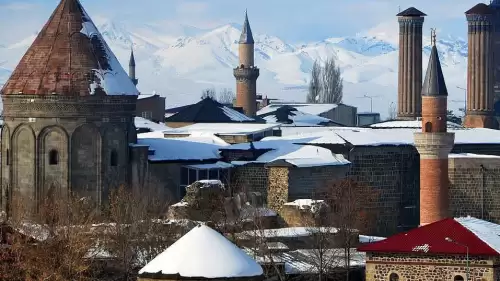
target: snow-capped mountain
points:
(179, 61)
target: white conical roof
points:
(203, 252)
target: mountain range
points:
(179, 61)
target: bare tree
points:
(209, 93)
(136, 233)
(226, 96)
(315, 84)
(326, 85)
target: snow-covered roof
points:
(291, 116)
(196, 137)
(301, 156)
(182, 149)
(288, 232)
(310, 108)
(444, 237)
(203, 252)
(414, 124)
(218, 165)
(147, 124)
(472, 155)
(304, 203)
(224, 128)
(145, 96)
(326, 137)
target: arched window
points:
(428, 127)
(53, 157)
(113, 159)
(458, 278)
(393, 277)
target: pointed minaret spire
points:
(246, 34)
(131, 67)
(434, 84)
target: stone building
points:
(480, 69)
(246, 73)
(434, 144)
(151, 107)
(410, 21)
(68, 112)
(451, 249)
(202, 254)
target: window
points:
(147, 115)
(428, 127)
(53, 157)
(113, 158)
(393, 277)
(7, 158)
(458, 278)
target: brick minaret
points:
(410, 21)
(480, 95)
(246, 73)
(131, 68)
(434, 144)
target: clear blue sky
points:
(292, 20)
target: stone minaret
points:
(410, 21)
(131, 68)
(434, 144)
(480, 96)
(495, 6)
(246, 73)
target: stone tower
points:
(68, 115)
(480, 68)
(131, 68)
(434, 144)
(411, 22)
(246, 73)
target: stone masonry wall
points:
(250, 178)
(421, 267)
(394, 172)
(277, 194)
(474, 190)
(305, 182)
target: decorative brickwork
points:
(410, 67)
(421, 267)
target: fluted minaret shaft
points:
(410, 63)
(480, 68)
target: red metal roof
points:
(66, 57)
(430, 239)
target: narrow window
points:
(7, 157)
(458, 278)
(428, 127)
(393, 277)
(53, 157)
(113, 158)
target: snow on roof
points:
(444, 237)
(110, 76)
(145, 96)
(184, 149)
(472, 155)
(289, 232)
(326, 137)
(290, 116)
(203, 252)
(310, 108)
(224, 128)
(300, 156)
(145, 123)
(415, 124)
(201, 137)
(304, 203)
(218, 165)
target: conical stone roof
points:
(203, 253)
(434, 84)
(246, 36)
(69, 57)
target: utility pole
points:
(371, 100)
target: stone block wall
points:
(426, 267)
(394, 172)
(475, 187)
(304, 183)
(277, 194)
(164, 180)
(250, 178)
